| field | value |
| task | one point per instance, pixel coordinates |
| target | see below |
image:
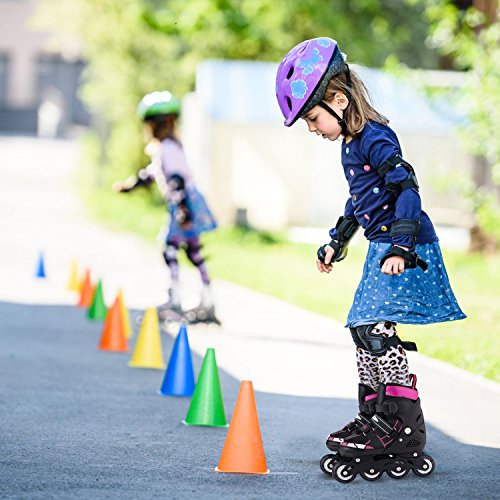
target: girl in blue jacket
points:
(404, 277)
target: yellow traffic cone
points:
(127, 329)
(148, 352)
(74, 284)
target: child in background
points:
(404, 278)
(189, 214)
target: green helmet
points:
(158, 103)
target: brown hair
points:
(359, 110)
(163, 126)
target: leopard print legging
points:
(392, 367)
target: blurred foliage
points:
(471, 38)
(269, 264)
(135, 46)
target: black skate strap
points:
(367, 407)
(379, 422)
(362, 419)
(387, 407)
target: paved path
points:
(78, 423)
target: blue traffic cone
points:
(40, 273)
(179, 376)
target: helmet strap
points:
(340, 120)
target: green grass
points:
(271, 265)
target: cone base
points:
(206, 425)
(240, 472)
(96, 318)
(152, 367)
(118, 351)
(185, 395)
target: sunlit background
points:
(72, 73)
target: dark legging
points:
(192, 248)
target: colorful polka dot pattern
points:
(414, 297)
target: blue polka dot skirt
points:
(202, 219)
(414, 297)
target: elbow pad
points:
(346, 228)
(396, 187)
(176, 182)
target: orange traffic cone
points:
(87, 291)
(113, 338)
(243, 450)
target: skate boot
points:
(335, 439)
(169, 312)
(393, 442)
(201, 314)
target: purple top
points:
(374, 207)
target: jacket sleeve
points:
(381, 147)
(178, 199)
(142, 179)
(348, 212)
(408, 206)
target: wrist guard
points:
(411, 258)
(346, 228)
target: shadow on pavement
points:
(79, 423)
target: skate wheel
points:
(190, 316)
(138, 319)
(327, 462)
(342, 472)
(371, 475)
(427, 467)
(398, 472)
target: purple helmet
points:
(303, 75)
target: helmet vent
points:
(290, 72)
(289, 102)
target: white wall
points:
(22, 45)
(287, 177)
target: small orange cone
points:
(127, 329)
(243, 450)
(113, 338)
(87, 291)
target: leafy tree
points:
(368, 30)
(471, 39)
(135, 46)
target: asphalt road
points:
(79, 423)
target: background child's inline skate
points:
(201, 314)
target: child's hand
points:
(326, 267)
(118, 187)
(394, 265)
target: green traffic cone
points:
(207, 407)
(97, 309)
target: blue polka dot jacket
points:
(375, 207)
